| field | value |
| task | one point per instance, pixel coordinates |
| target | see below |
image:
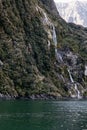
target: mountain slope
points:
(74, 12)
(41, 56)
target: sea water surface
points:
(43, 115)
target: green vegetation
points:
(29, 67)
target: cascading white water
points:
(54, 37)
(1, 63)
(77, 91)
(45, 18)
(46, 21)
(49, 44)
(70, 76)
(75, 86)
(86, 70)
(58, 55)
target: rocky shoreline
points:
(37, 97)
(31, 97)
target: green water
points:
(43, 115)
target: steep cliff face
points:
(41, 56)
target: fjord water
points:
(43, 115)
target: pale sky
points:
(67, 0)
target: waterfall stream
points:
(86, 70)
(46, 20)
(75, 86)
(54, 37)
(71, 79)
(59, 58)
(58, 55)
(77, 91)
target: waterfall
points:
(71, 78)
(54, 37)
(75, 86)
(85, 70)
(45, 18)
(49, 44)
(77, 91)
(58, 55)
(1, 63)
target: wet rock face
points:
(36, 50)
